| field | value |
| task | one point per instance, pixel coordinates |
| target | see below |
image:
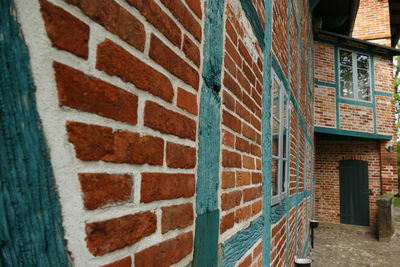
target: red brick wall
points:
(356, 118)
(128, 86)
(328, 155)
(241, 188)
(325, 106)
(373, 22)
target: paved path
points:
(348, 246)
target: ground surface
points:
(344, 245)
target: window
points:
(280, 108)
(354, 73)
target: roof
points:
(335, 16)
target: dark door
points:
(354, 206)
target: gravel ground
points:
(345, 245)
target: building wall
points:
(373, 22)
(122, 91)
(327, 157)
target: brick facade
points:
(120, 96)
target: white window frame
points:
(355, 78)
(282, 192)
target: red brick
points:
(242, 178)
(115, 19)
(256, 207)
(184, 16)
(242, 145)
(232, 86)
(116, 61)
(231, 200)
(242, 214)
(180, 156)
(249, 74)
(227, 222)
(251, 193)
(231, 31)
(230, 65)
(160, 186)
(257, 250)
(242, 112)
(65, 31)
(187, 101)
(125, 262)
(255, 150)
(228, 101)
(246, 262)
(245, 54)
(191, 51)
(166, 253)
(232, 51)
(248, 162)
(176, 217)
(227, 180)
(231, 159)
(93, 142)
(231, 121)
(169, 122)
(228, 139)
(106, 236)
(256, 178)
(100, 189)
(80, 91)
(168, 59)
(249, 132)
(160, 20)
(195, 6)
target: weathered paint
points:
(30, 229)
(207, 221)
(235, 247)
(255, 23)
(266, 133)
(383, 93)
(373, 93)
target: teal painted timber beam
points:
(380, 93)
(207, 210)
(31, 231)
(318, 129)
(252, 16)
(266, 144)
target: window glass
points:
(354, 75)
(280, 110)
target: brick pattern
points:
(325, 106)
(241, 189)
(372, 20)
(278, 243)
(383, 69)
(253, 258)
(324, 62)
(328, 155)
(134, 95)
(280, 33)
(356, 118)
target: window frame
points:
(354, 69)
(282, 187)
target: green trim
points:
(355, 102)
(252, 16)
(373, 93)
(266, 160)
(326, 130)
(325, 84)
(31, 232)
(336, 58)
(209, 146)
(380, 93)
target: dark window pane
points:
(346, 74)
(274, 177)
(345, 58)
(275, 137)
(364, 88)
(362, 61)
(283, 182)
(284, 145)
